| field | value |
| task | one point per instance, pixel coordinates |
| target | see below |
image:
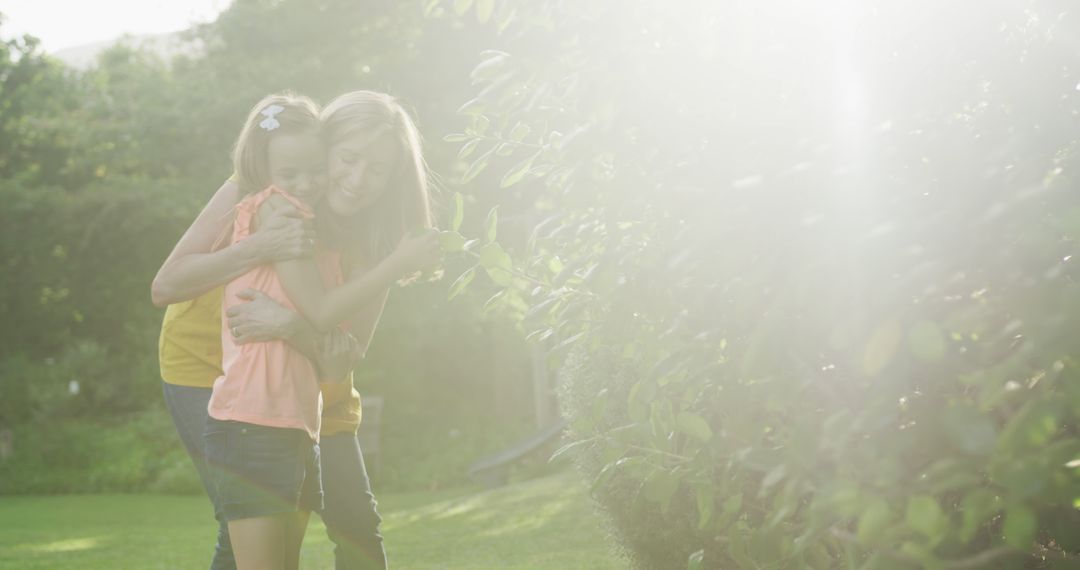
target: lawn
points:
(544, 523)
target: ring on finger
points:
(236, 332)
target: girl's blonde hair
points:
(299, 114)
(406, 204)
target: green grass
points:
(544, 523)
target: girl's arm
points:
(193, 268)
(325, 309)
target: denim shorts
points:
(259, 471)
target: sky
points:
(66, 23)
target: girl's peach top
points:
(268, 383)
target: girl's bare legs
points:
(259, 543)
(294, 537)
(269, 543)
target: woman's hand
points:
(284, 235)
(417, 252)
(261, 319)
(340, 354)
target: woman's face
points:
(360, 169)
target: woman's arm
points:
(325, 309)
(262, 319)
(193, 268)
(363, 323)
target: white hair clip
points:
(270, 123)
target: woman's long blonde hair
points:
(406, 204)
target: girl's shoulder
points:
(253, 209)
(272, 199)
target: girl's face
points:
(298, 165)
(361, 168)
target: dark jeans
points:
(349, 513)
(350, 516)
(187, 405)
(260, 471)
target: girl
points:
(264, 412)
(378, 188)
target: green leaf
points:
(642, 392)
(495, 300)
(600, 405)
(462, 6)
(456, 137)
(491, 225)
(660, 487)
(497, 264)
(1032, 427)
(926, 341)
(461, 283)
(520, 131)
(925, 556)
(970, 430)
(515, 174)
(977, 507)
(467, 149)
(539, 335)
(874, 520)
(484, 8)
(544, 307)
(730, 510)
(567, 341)
(924, 514)
(1020, 527)
(774, 476)
(477, 167)
(472, 107)
(696, 561)
(605, 475)
(480, 124)
(451, 241)
(694, 426)
(491, 66)
(459, 211)
(881, 347)
(554, 265)
(706, 502)
(1020, 476)
(737, 549)
(569, 450)
(609, 470)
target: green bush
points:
(649, 537)
(825, 322)
(131, 453)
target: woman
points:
(377, 192)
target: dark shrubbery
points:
(648, 536)
(127, 453)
